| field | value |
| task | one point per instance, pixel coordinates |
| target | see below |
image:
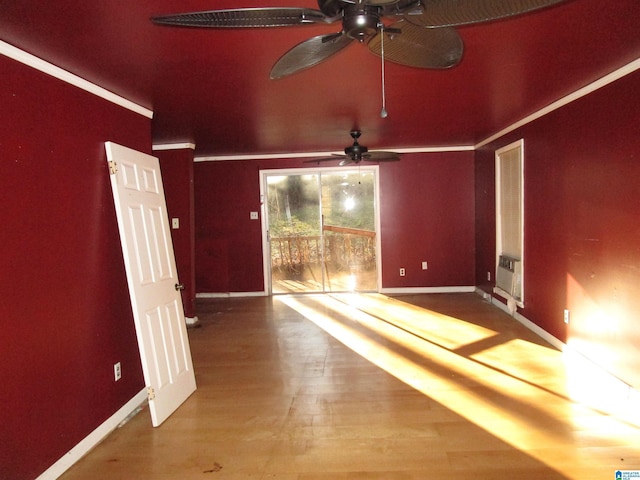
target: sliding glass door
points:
(321, 230)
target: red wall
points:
(65, 315)
(177, 178)
(426, 212)
(582, 234)
(228, 243)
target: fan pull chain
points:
(383, 112)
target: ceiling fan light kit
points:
(421, 34)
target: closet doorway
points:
(320, 230)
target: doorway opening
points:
(320, 230)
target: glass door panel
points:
(349, 233)
(295, 237)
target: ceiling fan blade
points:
(380, 3)
(380, 156)
(449, 13)
(347, 161)
(327, 159)
(309, 53)
(435, 48)
(245, 17)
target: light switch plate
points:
(175, 223)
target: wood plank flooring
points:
(368, 387)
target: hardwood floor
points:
(368, 387)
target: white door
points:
(152, 277)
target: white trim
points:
(173, 146)
(390, 291)
(572, 97)
(518, 144)
(264, 235)
(415, 290)
(506, 296)
(546, 336)
(266, 156)
(483, 294)
(57, 72)
(94, 438)
(272, 156)
(230, 294)
(456, 148)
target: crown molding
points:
(70, 78)
(173, 146)
(272, 156)
(572, 97)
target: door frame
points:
(264, 212)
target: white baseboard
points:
(230, 294)
(560, 345)
(617, 389)
(416, 290)
(391, 291)
(94, 438)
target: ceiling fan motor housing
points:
(361, 22)
(356, 151)
(334, 8)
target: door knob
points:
(179, 286)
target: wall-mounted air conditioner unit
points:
(508, 275)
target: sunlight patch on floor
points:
(514, 389)
(443, 330)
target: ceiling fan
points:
(357, 153)
(421, 34)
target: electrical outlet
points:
(402, 272)
(424, 265)
(566, 316)
(253, 215)
(117, 371)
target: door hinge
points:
(113, 167)
(151, 393)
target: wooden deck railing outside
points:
(344, 249)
